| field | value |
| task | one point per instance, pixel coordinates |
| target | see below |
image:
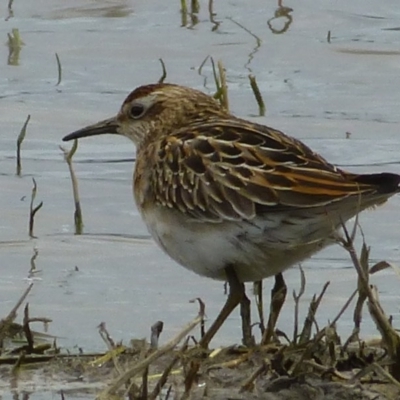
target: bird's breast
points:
(257, 249)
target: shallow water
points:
(314, 90)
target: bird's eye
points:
(137, 111)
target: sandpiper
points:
(227, 198)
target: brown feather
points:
(256, 166)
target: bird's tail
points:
(385, 183)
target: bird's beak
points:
(107, 126)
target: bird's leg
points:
(258, 292)
(245, 313)
(278, 296)
(235, 296)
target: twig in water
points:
(156, 330)
(27, 329)
(59, 69)
(224, 87)
(14, 44)
(220, 82)
(105, 335)
(108, 340)
(257, 95)
(20, 139)
(200, 72)
(216, 80)
(164, 71)
(202, 64)
(78, 219)
(33, 210)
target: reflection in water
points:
(14, 44)
(33, 269)
(95, 11)
(212, 15)
(282, 14)
(194, 10)
(370, 52)
(183, 13)
(193, 14)
(10, 10)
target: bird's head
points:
(152, 111)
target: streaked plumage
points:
(216, 190)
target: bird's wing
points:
(232, 170)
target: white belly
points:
(257, 249)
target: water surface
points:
(314, 90)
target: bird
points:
(230, 199)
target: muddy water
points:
(314, 90)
